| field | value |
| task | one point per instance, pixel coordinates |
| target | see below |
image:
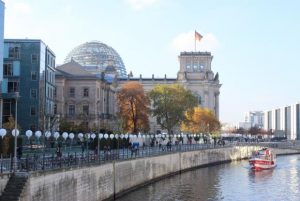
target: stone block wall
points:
(103, 182)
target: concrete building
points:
(29, 79)
(284, 121)
(84, 98)
(195, 73)
(255, 118)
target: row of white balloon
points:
(66, 135)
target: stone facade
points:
(195, 74)
(84, 98)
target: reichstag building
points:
(93, 72)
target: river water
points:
(227, 182)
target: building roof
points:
(73, 68)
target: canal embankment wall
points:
(107, 181)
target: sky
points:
(255, 43)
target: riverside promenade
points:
(107, 179)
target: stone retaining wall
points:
(103, 182)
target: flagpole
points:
(195, 40)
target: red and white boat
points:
(263, 159)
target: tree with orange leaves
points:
(133, 107)
(201, 120)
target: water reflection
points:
(234, 181)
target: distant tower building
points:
(1, 54)
(255, 118)
(29, 78)
(195, 74)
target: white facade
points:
(284, 121)
(255, 118)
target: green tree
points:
(170, 104)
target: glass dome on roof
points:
(95, 57)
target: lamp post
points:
(16, 132)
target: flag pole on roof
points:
(198, 37)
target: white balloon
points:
(71, 136)
(116, 136)
(56, 135)
(80, 135)
(93, 135)
(15, 132)
(2, 132)
(87, 135)
(65, 135)
(122, 136)
(105, 135)
(47, 134)
(38, 134)
(101, 135)
(111, 136)
(28, 133)
(126, 136)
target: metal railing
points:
(50, 160)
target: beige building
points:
(86, 93)
(83, 97)
(195, 74)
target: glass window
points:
(85, 109)
(54, 92)
(55, 108)
(14, 51)
(34, 58)
(86, 92)
(12, 87)
(33, 93)
(72, 92)
(7, 69)
(32, 111)
(33, 75)
(71, 110)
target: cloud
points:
(186, 42)
(140, 4)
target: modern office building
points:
(29, 81)
(1, 53)
(255, 118)
(284, 121)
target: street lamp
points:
(16, 132)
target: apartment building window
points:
(54, 93)
(32, 111)
(85, 92)
(33, 93)
(71, 110)
(12, 87)
(55, 108)
(33, 75)
(14, 51)
(7, 69)
(85, 109)
(34, 58)
(72, 92)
